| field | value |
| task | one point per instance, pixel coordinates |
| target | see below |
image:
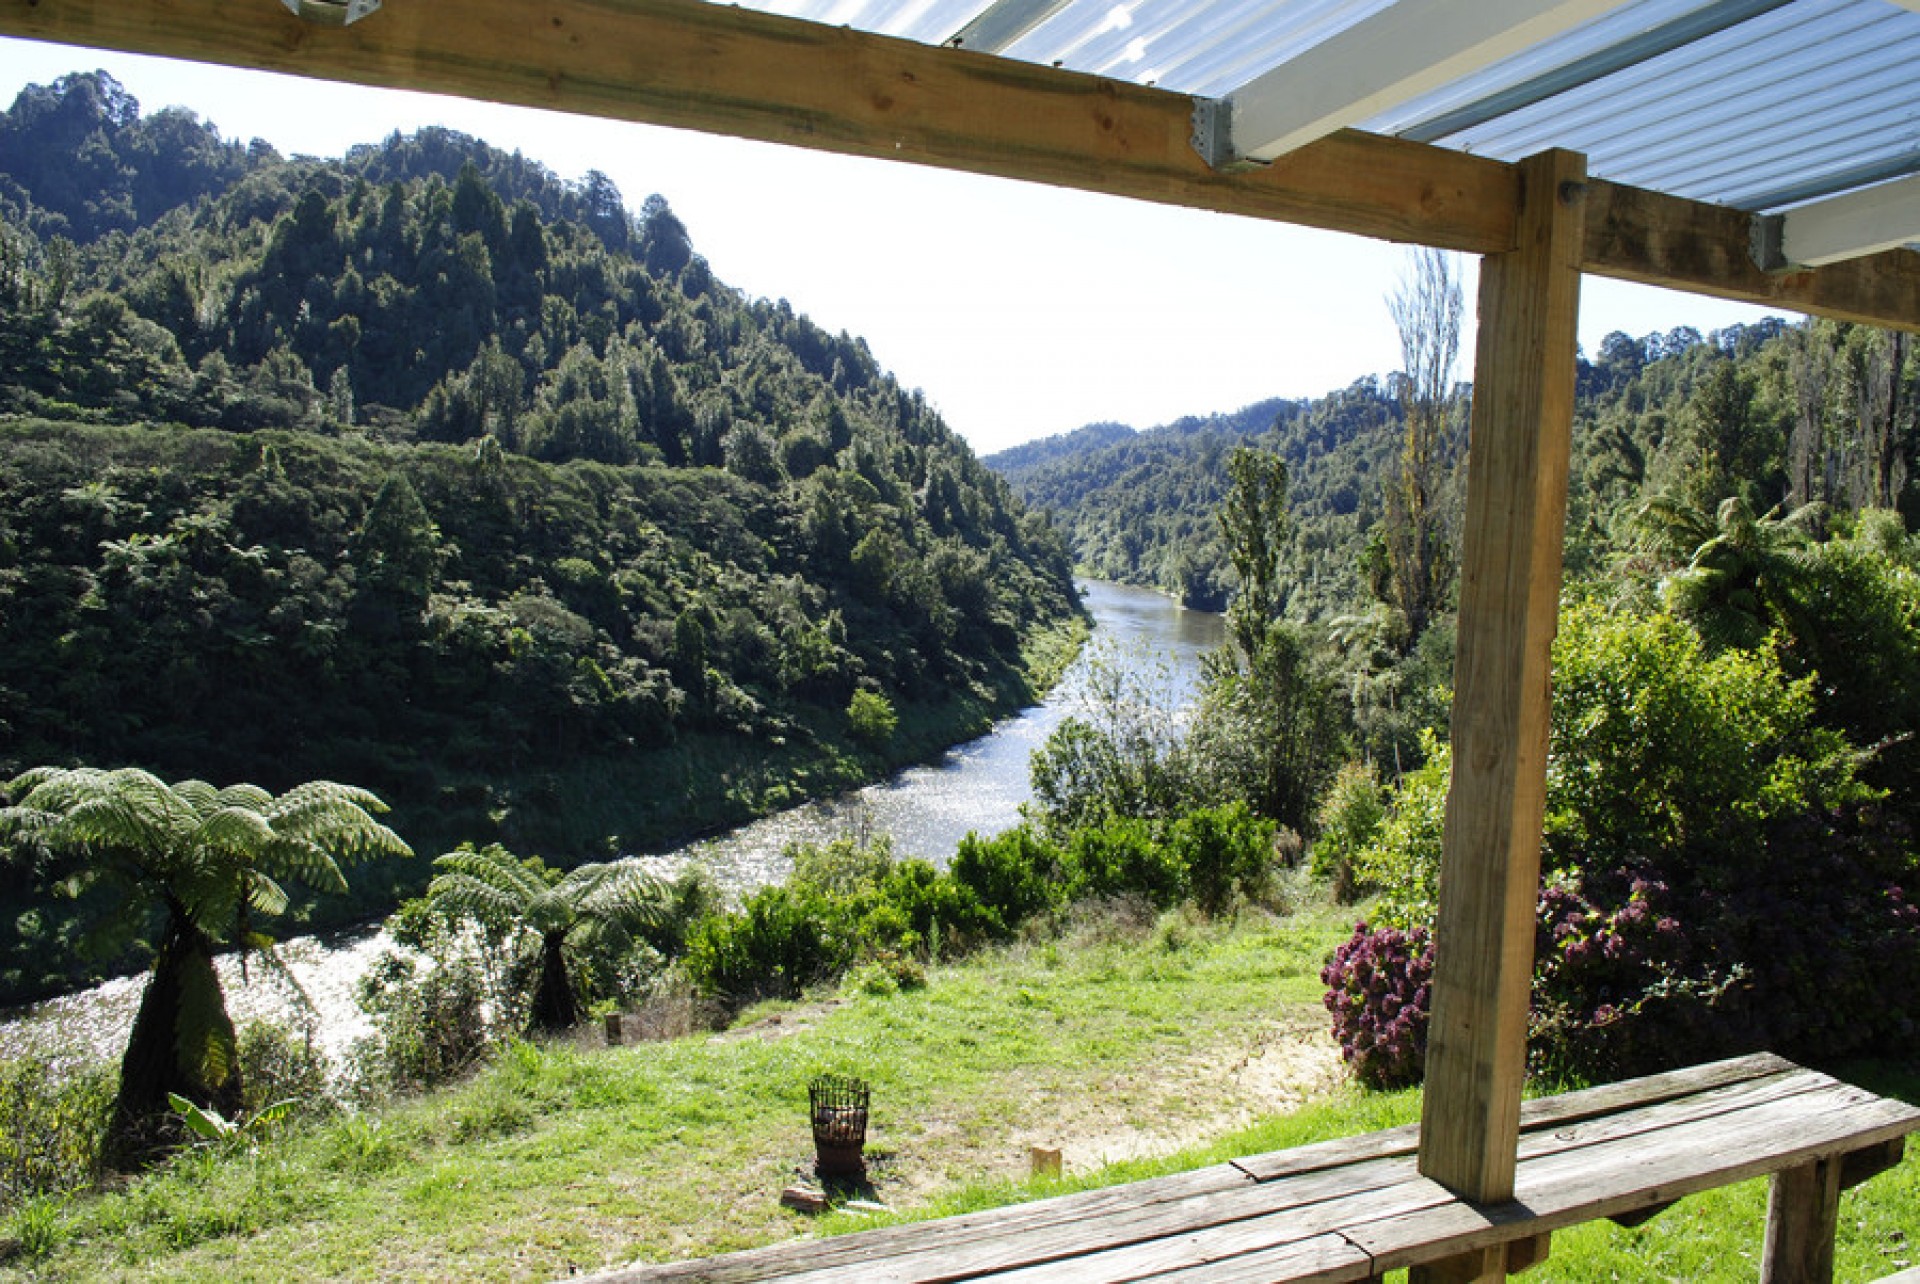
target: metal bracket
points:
(1766, 242)
(1213, 132)
(331, 13)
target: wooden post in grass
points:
(1509, 607)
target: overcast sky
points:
(1020, 310)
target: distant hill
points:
(1138, 506)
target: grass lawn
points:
(1136, 1048)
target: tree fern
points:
(509, 897)
(212, 858)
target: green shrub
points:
(871, 719)
(841, 867)
(1013, 876)
(52, 1123)
(939, 913)
(1402, 860)
(1717, 878)
(1227, 852)
(1349, 819)
(1124, 857)
(431, 1025)
(780, 942)
(278, 1065)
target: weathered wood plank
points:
(1727, 1103)
(1521, 440)
(1326, 1259)
(1292, 1239)
(1539, 1112)
(1218, 1224)
(780, 1260)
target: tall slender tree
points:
(1426, 310)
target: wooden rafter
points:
(694, 65)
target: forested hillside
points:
(426, 470)
(1812, 412)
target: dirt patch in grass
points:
(1186, 1102)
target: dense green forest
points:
(425, 470)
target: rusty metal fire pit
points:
(839, 1106)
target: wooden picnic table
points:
(1352, 1209)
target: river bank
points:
(926, 809)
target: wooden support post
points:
(1803, 1210)
(1509, 609)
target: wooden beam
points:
(693, 65)
(1509, 608)
(1637, 235)
(1385, 59)
(702, 66)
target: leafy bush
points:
(1810, 948)
(1377, 989)
(871, 719)
(1402, 860)
(52, 1124)
(434, 1023)
(278, 1065)
(1349, 820)
(1123, 856)
(938, 915)
(1717, 878)
(1227, 852)
(1013, 876)
(781, 941)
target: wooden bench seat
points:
(1355, 1208)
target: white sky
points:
(1020, 310)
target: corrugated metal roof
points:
(1758, 104)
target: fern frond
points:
(465, 896)
(264, 894)
(624, 893)
(337, 826)
(235, 831)
(327, 794)
(495, 866)
(251, 797)
(305, 860)
(202, 797)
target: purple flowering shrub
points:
(1378, 990)
(1619, 984)
(1805, 942)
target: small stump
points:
(839, 1107)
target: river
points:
(975, 787)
